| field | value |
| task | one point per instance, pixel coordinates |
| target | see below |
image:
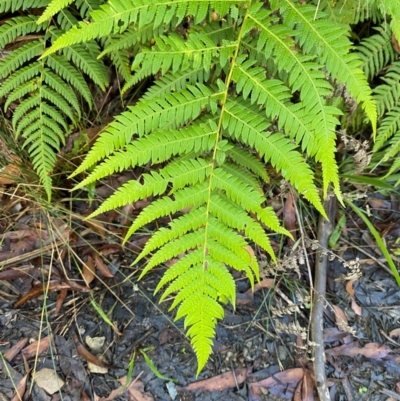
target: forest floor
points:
(76, 325)
(117, 342)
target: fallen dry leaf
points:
(371, 350)
(60, 301)
(20, 390)
(289, 217)
(221, 382)
(248, 296)
(340, 316)
(37, 347)
(19, 272)
(10, 354)
(282, 384)
(102, 266)
(11, 172)
(88, 270)
(350, 289)
(356, 308)
(40, 289)
(332, 334)
(88, 356)
(395, 44)
(307, 387)
(133, 392)
(96, 226)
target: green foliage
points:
(239, 91)
(380, 60)
(240, 85)
(47, 92)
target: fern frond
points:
(349, 11)
(376, 52)
(18, 26)
(115, 16)
(391, 8)
(190, 221)
(59, 87)
(155, 148)
(53, 8)
(19, 57)
(67, 72)
(171, 111)
(176, 82)
(387, 95)
(173, 53)
(87, 63)
(20, 92)
(248, 161)
(247, 126)
(329, 42)
(14, 5)
(255, 88)
(87, 6)
(388, 127)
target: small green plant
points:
(244, 86)
(241, 90)
(48, 92)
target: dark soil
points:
(259, 337)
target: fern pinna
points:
(244, 87)
(47, 93)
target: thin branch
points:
(324, 231)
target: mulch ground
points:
(69, 310)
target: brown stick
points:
(319, 296)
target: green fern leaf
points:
(376, 52)
(18, 26)
(53, 8)
(19, 57)
(14, 5)
(329, 42)
(115, 16)
(171, 111)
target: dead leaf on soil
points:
(60, 301)
(40, 289)
(19, 272)
(133, 392)
(282, 384)
(11, 353)
(20, 390)
(356, 308)
(340, 316)
(102, 266)
(289, 218)
(221, 382)
(395, 44)
(305, 388)
(371, 350)
(37, 347)
(88, 356)
(332, 334)
(248, 296)
(88, 270)
(350, 290)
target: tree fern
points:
(245, 87)
(47, 92)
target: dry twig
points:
(324, 231)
